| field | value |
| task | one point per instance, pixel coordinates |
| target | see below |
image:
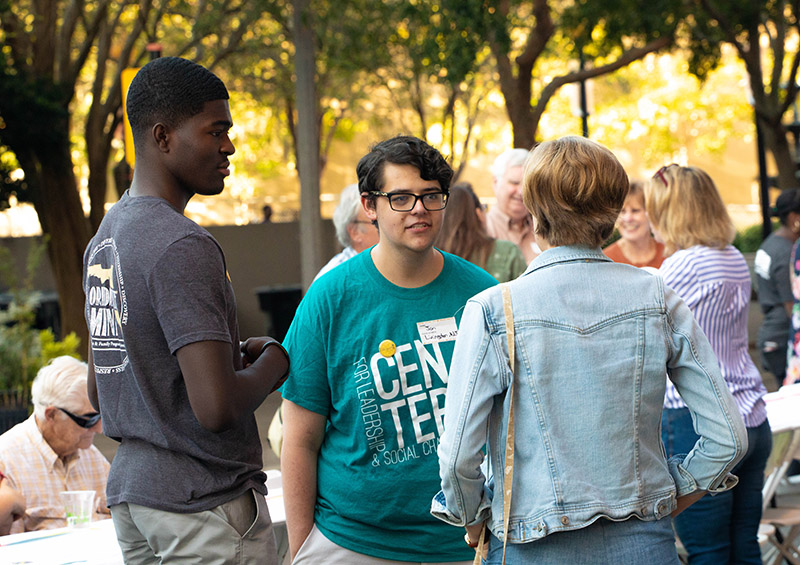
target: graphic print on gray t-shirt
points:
(108, 308)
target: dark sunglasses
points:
(85, 421)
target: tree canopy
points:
(437, 61)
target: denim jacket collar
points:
(566, 254)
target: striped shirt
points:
(33, 468)
(715, 284)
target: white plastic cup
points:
(79, 506)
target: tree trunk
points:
(98, 153)
(61, 216)
(517, 95)
(524, 127)
(308, 141)
(777, 144)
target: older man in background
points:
(52, 451)
(354, 230)
(508, 219)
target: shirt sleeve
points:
(779, 273)
(190, 290)
(478, 373)
(693, 369)
(307, 384)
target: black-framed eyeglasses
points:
(84, 421)
(660, 173)
(405, 201)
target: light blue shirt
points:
(594, 340)
(715, 285)
(345, 254)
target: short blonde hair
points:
(574, 188)
(686, 209)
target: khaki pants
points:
(319, 549)
(234, 533)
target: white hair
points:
(346, 212)
(60, 383)
(507, 160)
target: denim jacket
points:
(594, 340)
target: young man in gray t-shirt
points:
(166, 369)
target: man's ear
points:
(50, 412)
(354, 233)
(160, 134)
(369, 207)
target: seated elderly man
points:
(52, 450)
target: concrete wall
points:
(258, 256)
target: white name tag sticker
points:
(437, 330)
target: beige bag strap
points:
(479, 552)
(508, 472)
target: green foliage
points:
(749, 239)
(19, 349)
(23, 348)
(611, 239)
(52, 348)
(656, 110)
(9, 186)
(603, 27)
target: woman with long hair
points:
(574, 352)
(464, 234)
(687, 214)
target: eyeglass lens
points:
(403, 202)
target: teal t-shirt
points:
(374, 358)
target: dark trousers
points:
(722, 528)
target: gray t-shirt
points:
(156, 281)
(772, 265)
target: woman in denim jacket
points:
(594, 340)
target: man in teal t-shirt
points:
(371, 345)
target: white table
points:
(96, 544)
(277, 512)
(92, 545)
(783, 411)
(783, 408)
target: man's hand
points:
(686, 501)
(474, 535)
(12, 506)
(254, 347)
(303, 432)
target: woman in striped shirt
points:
(687, 214)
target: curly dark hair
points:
(402, 150)
(170, 90)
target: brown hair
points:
(636, 189)
(574, 188)
(463, 233)
(686, 209)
